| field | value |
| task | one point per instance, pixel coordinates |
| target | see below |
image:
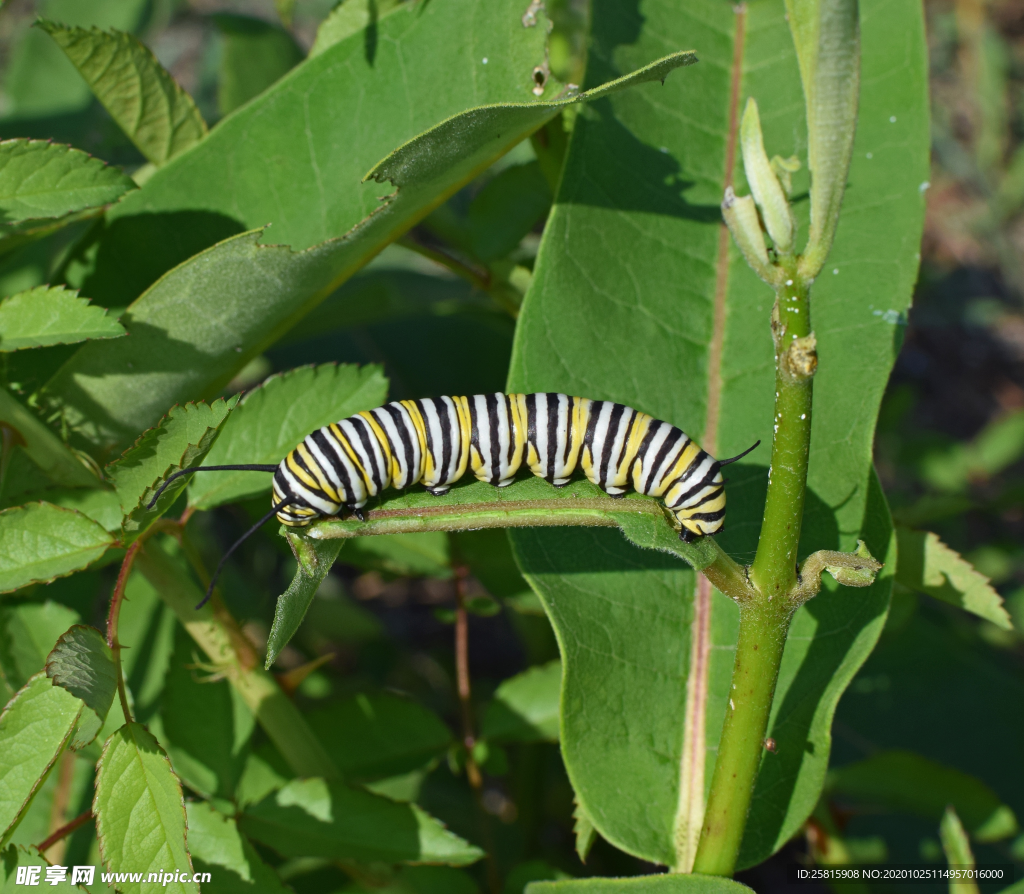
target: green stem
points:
(773, 572)
(762, 637)
(217, 633)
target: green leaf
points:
(926, 564)
(377, 736)
(310, 817)
(101, 506)
(40, 542)
(40, 179)
(644, 179)
(272, 418)
(206, 724)
(424, 554)
(957, 848)
(525, 707)
(180, 441)
(35, 727)
(140, 814)
(154, 112)
(905, 782)
(43, 447)
(52, 316)
(254, 55)
(27, 634)
(645, 884)
(999, 445)
(315, 559)
(350, 18)
(82, 663)
(13, 857)
(217, 847)
(506, 209)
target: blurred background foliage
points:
(938, 703)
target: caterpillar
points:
(435, 441)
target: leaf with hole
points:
(40, 542)
(35, 728)
(648, 169)
(140, 812)
(313, 818)
(52, 316)
(151, 108)
(180, 441)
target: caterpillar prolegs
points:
(435, 441)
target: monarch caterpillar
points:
(434, 442)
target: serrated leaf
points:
(40, 179)
(206, 724)
(27, 634)
(46, 316)
(35, 727)
(525, 707)
(13, 857)
(140, 813)
(905, 782)
(313, 818)
(315, 559)
(644, 179)
(376, 736)
(181, 440)
(81, 662)
(273, 418)
(100, 505)
(151, 108)
(40, 542)
(927, 565)
(217, 847)
(644, 884)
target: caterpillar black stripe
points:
(435, 441)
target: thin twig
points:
(466, 704)
(117, 597)
(64, 831)
(61, 798)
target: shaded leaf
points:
(350, 18)
(13, 857)
(35, 727)
(217, 847)
(310, 817)
(647, 170)
(645, 884)
(525, 707)
(910, 783)
(100, 505)
(151, 108)
(376, 736)
(926, 564)
(254, 55)
(82, 663)
(273, 418)
(206, 723)
(140, 814)
(43, 447)
(41, 542)
(52, 316)
(180, 441)
(40, 179)
(506, 209)
(27, 634)
(315, 559)
(424, 554)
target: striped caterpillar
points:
(434, 442)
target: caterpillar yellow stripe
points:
(435, 441)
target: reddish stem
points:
(116, 598)
(64, 831)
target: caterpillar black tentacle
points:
(435, 441)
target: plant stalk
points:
(762, 638)
(774, 570)
(116, 598)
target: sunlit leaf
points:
(52, 316)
